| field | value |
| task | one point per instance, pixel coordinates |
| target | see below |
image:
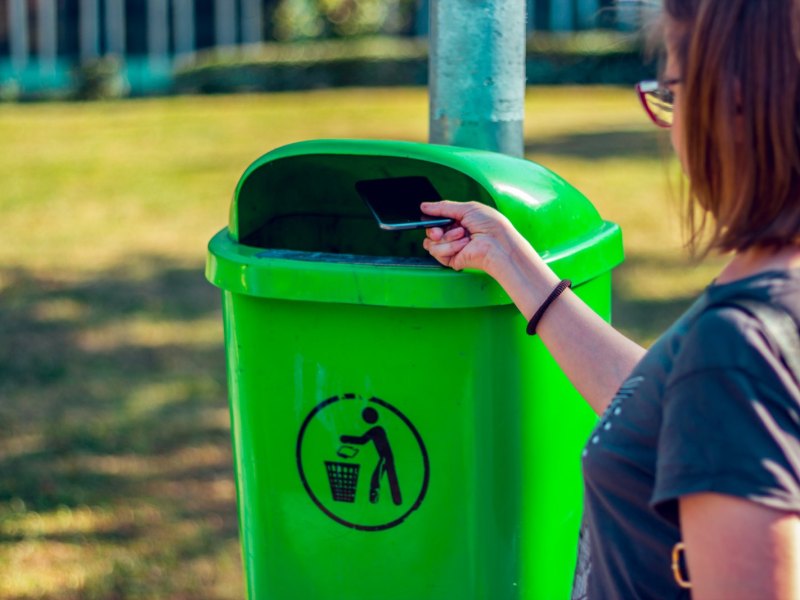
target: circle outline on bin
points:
(426, 463)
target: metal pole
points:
(225, 22)
(183, 21)
(48, 37)
(89, 29)
(157, 33)
(477, 74)
(530, 10)
(19, 40)
(115, 27)
(629, 14)
(561, 15)
(423, 18)
(587, 13)
(252, 21)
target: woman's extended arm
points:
(739, 550)
(595, 357)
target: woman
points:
(698, 447)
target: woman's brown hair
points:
(740, 119)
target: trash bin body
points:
(396, 433)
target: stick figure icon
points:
(377, 435)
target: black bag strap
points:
(779, 326)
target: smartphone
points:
(395, 202)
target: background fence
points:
(43, 42)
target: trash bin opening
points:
(351, 259)
(309, 203)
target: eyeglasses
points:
(657, 99)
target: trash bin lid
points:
(313, 182)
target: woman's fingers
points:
(456, 233)
(437, 234)
(446, 208)
(434, 233)
(447, 245)
(445, 251)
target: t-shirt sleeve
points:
(731, 419)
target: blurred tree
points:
(308, 19)
(298, 20)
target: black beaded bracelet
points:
(537, 316)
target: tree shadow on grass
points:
(645, 318)
(602, 145)
(108, 406)
(92, 418)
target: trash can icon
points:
(343, 476)
(467, 482)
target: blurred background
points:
(125, 125)
(102, 48)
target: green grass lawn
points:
(115, 463)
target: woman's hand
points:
(595, 357)
(479, 237)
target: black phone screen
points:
(395, 201)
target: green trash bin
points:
(397, 435)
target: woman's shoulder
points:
(731, 332)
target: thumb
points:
(445, 208)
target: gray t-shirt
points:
(710, 408)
